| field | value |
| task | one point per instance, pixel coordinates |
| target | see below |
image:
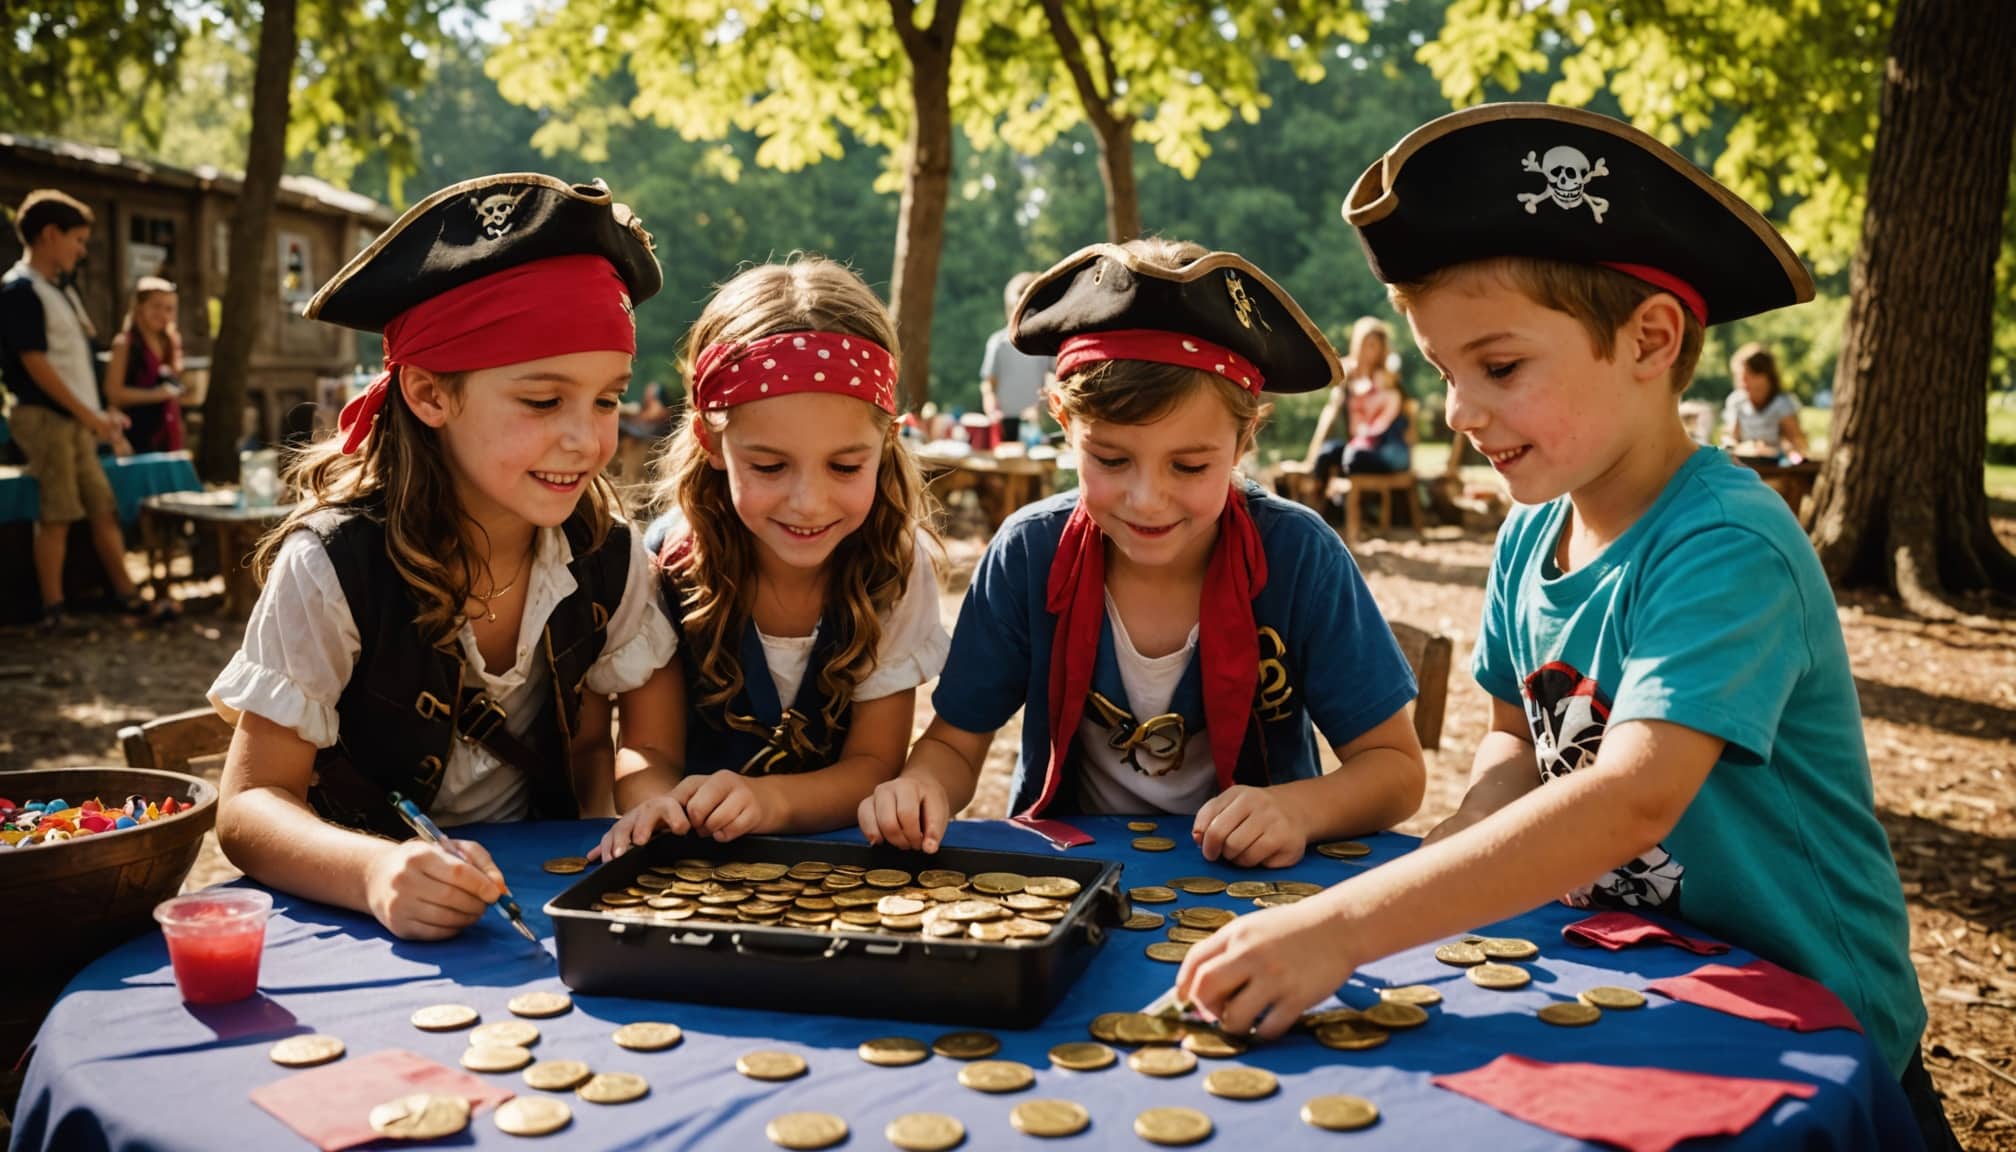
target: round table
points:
(121, 1062)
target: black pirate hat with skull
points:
(470, 230)
(1542, 181)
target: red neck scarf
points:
(1227, 641)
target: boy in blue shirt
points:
(1674, 724)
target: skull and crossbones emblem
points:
(493, 212)
(1568, 174)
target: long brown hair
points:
(716, 572)
(1758, 359)
(401, 476)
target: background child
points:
(1759, 412)
(146, 359)
(1371, 395)
(1674, 724)
(456, 575)
(796, 561)
(1169, 631)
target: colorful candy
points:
(54, 821)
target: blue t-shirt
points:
(1712, 612)
(1326, 653)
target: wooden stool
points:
(1396, 487)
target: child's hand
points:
(907, 812)
(1251, 828)
(642, 822)
(1261, 972)
(725, 805)
(421, 893)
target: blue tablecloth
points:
(122, 1063)
(133, 479)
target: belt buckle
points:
(488, 715)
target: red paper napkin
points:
(1761, 991)
(1639, 1109)
(1619, 930)
(331, 1106)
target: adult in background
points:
(1370, 394)
(146, 360)
(1011, 380)
(59, 418)
(1760, 416)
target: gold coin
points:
(946, 893)
(1152, 894)
(999, 883)
(532, 1116)
(444, 1017)
(648, 1036)
(1053, 887)
(1021, 928)
(1206, 917)
(1499, 976)
(421, 1116)
(898, 906)
(1162, 1061)
(966, 1045)
(1315, 1020)
(1298, 888)
(1340, 1113)
(1460, 955)
(1153, 844)
(1144, 921)
(1137, 1028)
(806, 1130)
(566, 865)
(1350, 1036)
(1028, 902)
(1049, 1118)
(1344, 849)
(860, 917)
(556, 1075)
(613, 1088)
(1082, 1056)
(771, 1065)
(1141, 826)
(1104, 1027)
(1169, 951)
(1241, 1083)
(1198, 885)
(506, 1034)
(893, 1051)
(765, 872)
(541, 1004)
(925, 1132)
(1248, 889)
(997, 1076)
(1172, 1126)
(1182, 934)
(1509, 949)
(1391, 1015)
(1609, 996)
(887, 878)
(971, 911)
(305, 1051)
(941, 878)
(621, 899)
(1419, 995)
(496, 1057)
(1278, 899)
(1212, 1044)
(1571, 1014)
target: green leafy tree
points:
(1888, 129)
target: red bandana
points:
(1157, 347)
(1227, 641)
(507, 317)
(791, 362)
(1690, 297)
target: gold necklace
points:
(489, 613)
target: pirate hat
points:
(478, 227)
(1220, 300)
(1537, 180)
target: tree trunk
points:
(920, 217)
(245, 288)
(1114, 132)
(1116, 172)
(1901, 503)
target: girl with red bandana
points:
(795, 563)
(457, 574)
(1168, 631)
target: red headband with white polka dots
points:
(1157, 347)
(791, 362)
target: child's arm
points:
(1378, 783)
(265, 826)
(1265, 969)
(1790, 432)
(1504, 769)
(651, 757)
(912, 810)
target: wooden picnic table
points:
(218, 514)
(1792, 481)
(1001, 483)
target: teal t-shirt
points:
(1712, 612)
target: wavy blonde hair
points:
(1366, 328)
(401, 477)
(715, 575)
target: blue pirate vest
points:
(407, 702)
(754, 733)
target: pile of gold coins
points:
(1491, 962)
(937, 903)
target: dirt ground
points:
(1939, 706)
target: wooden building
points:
(156, 220)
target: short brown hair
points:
(46, 206)
(1600, 298)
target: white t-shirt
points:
(301, 646)
(69, 336)
(913, 647)
(1109, 784)
(1753, 423)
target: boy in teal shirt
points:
(1674, 725)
